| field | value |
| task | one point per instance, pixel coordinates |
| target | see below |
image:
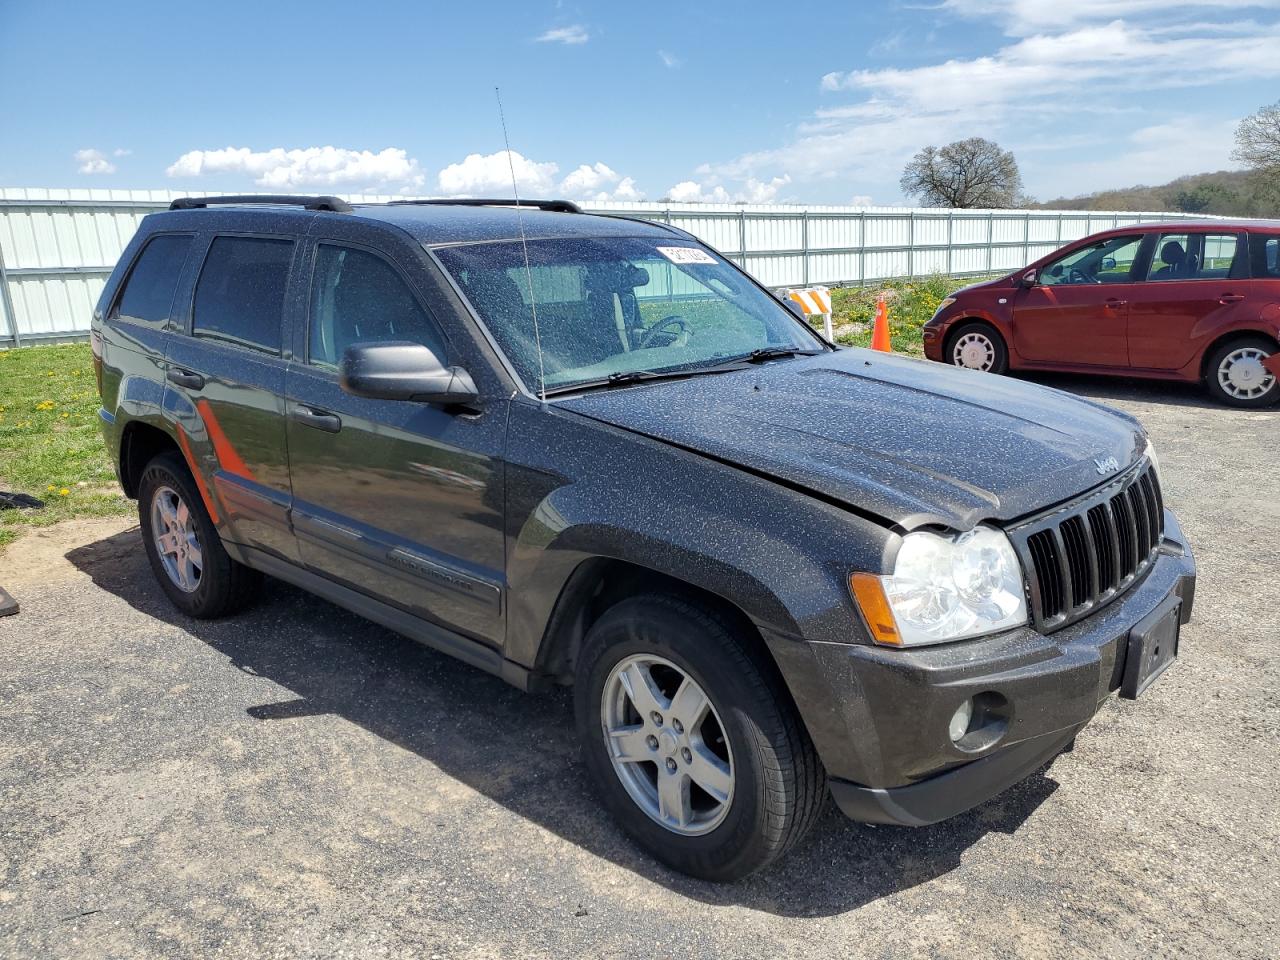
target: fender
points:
(778, 555)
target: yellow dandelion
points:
(52, 488)
(65, 414)
(64, 492)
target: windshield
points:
(619, 305)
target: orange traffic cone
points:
(880, 333)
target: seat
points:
(1175, 262)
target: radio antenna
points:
(524, 246)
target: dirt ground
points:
(296, 782)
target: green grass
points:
(50, 443)
(911, 303)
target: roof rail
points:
(555, 206)
(332, 204)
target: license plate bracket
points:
(1151, 646)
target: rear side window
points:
(357, 297)
(1264, 252)
(1194, 256)
(148, 293)
(240, 294)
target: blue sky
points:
(804, 102)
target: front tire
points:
(977, 346)
(1235, 375)
(691, 738)
(183, 547)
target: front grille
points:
(1082, 556)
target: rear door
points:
(400, 500)
(1196, 283)
(226, 386)
(1078, 310)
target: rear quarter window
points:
(240, 294)
(1264, 254)
(148, 291)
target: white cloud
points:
(281, 169)
(1023, 17)
(711, 191)
(1156, 154)
(571, 35)
(599, 183)
(490, 174)
(1022, 95)
(121, 152)
(93, 161)
(669, 60)
(1117, 54)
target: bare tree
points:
(967, 173)
(1258, 140)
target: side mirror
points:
(796, 309)
(1108, 263)
(403, 371)
(1029, 279)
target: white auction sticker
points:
(687, 255)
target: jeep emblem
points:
(1108, 465)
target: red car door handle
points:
(1231, 298)
(1115, 304)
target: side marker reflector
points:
(868, 591)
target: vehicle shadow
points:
(1164, 392)
(471, 725)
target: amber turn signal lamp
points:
(869, 592)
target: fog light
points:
(960, 721)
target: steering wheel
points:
(652, 333)
(1079, 276)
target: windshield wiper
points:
(621, 379)
(769, 353)
(627, 377)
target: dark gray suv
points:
(590, 450)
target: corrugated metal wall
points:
(57, 247)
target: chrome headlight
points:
(944, 588)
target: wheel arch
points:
(599, 583)
(1237, 334)
(140, 443)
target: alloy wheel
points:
(667, 744)
(177, 542)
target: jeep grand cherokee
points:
(590, 450)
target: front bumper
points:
(897, 763)
(931, 338)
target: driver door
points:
(1078, 311)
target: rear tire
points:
(1234, 373)
(764, 784)
(183, 547)
(977, 346)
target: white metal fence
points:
(57, 247)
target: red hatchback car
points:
(1172, 301)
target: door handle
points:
(320, 419)
(1114, 304)
(1231, 298)
(184, 378)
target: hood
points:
(909, 442)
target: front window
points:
(619, 305)
(1104, 261)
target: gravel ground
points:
(297, 782)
